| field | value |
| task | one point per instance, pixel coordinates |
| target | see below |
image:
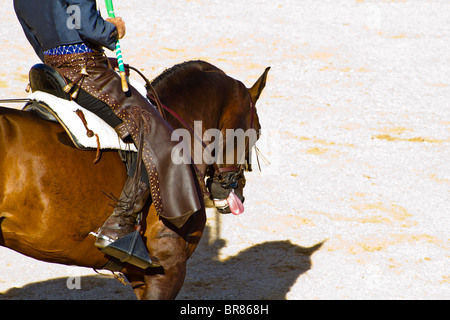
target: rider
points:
(70, 35)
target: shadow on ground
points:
(264, 271)
(90, 288)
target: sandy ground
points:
(355, 203)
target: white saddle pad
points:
(65, 112)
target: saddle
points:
(86, 130)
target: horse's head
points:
(240, 130)
(223, 111)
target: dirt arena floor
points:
(354, 199)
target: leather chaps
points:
(173, 187)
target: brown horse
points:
(52, 196)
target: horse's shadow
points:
(265, 271)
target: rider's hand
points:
(120, 25)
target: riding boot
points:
(118, 237)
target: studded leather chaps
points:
(173, 187)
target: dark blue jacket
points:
(49, 24)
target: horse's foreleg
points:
(173, 248)
(164, 283)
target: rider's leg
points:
(123, 220)
(134, 194)
(98, 107)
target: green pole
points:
(111, 14)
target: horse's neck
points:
(185, 117)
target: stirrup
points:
(131, 249)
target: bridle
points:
(236, 172)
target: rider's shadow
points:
(265, 271)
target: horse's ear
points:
(258, 87)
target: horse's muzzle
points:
(232, 204)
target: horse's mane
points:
(187, 66)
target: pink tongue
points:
(235, 204)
